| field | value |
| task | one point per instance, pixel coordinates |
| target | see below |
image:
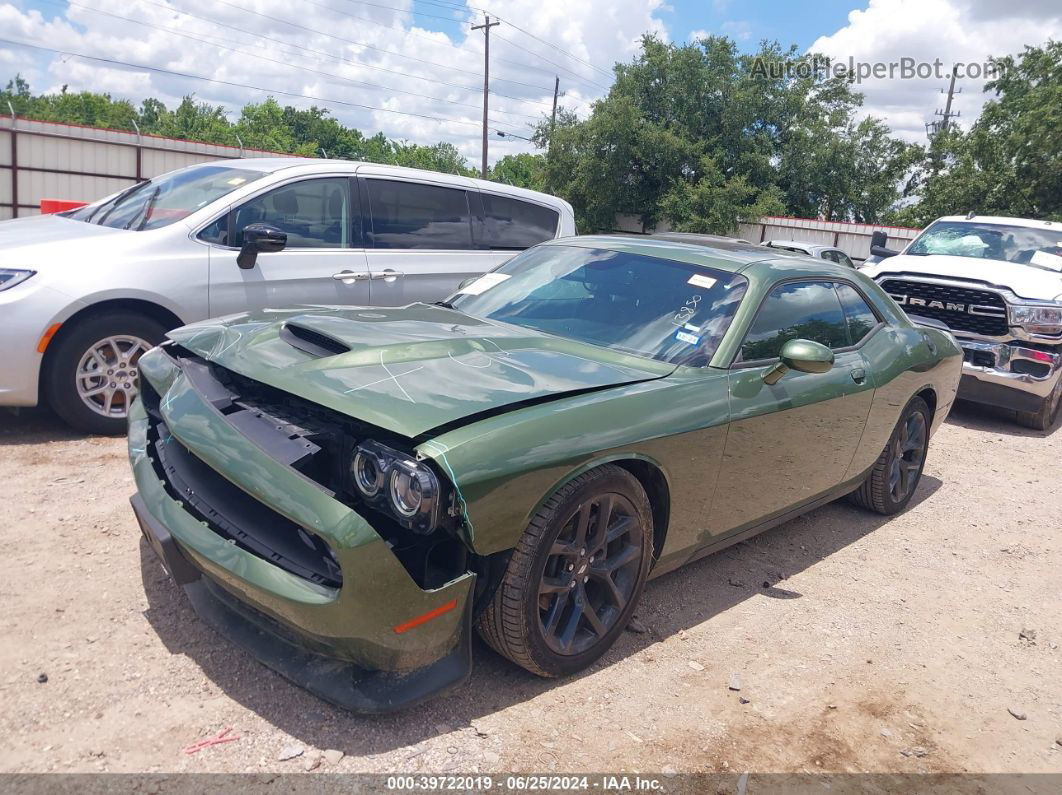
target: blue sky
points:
(788, 23)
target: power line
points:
(436, 81)
(551, 44)
(553, 63)
(436, 42)
(281, 63)
(233, 84)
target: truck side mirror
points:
(259, 238)
(878, 239)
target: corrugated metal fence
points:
(853, 239)
(48, 160)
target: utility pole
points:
(553, 119)
(946, 115)
(485, 27)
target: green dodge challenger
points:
(347, 492)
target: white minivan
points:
(84, 293)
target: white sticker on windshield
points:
(697, 280)
(1046, 259)
(483, 283)
(689, 339)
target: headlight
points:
(9, 277)
(411, 495)
(1037, 318)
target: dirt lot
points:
(876, 645)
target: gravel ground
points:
(861, 643)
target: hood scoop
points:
(312, 342)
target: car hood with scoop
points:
(408, 369)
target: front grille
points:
(235, 515)
(938, 298)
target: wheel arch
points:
(647, 471)
(141, 306)
(929, 395)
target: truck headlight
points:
(1037, 318)
(412, 491)
(9, 277)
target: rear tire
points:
(92, 374)
(894, 477)
(1043, 419)
(567, 595)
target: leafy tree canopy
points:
(1010, 161)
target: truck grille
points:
(952, 305)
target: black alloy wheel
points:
(907, 456)
(591, 573)
(894, 478)
(575, 576)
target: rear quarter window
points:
(515, 224)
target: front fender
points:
(505, 467)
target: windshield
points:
(1022, 244)
(658, 308)
(161, 201)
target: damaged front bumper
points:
(1008, 375)
(370, 641)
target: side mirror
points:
(804, 356)
(878, 239)
(259, 238)
(466, 282)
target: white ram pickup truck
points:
(996, 283)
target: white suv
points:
(996, 283)
(84, 293)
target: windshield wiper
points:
(148, 207)
(444, 304)
(116, 201)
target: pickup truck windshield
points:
(648, 306)
(161, 201)
(1022, 244)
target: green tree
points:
(523, 170)
(1010, 161)
(701, 134)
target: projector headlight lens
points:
(412, 490)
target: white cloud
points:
(331, 56)
(697, 35)
(953, 31)
(737, 29)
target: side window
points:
(516, 224)
(844, 259)
(315, 213)
(798, 310)
(860, 317)
(828, 254)
(411, 215)
(216, 232)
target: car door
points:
(790, 442)
(322, 263)
(423, 239)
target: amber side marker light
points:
(424, 619)
(47, 337)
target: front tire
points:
(1043, 419)
(575, 576)
(896, 474)
(93, 374)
